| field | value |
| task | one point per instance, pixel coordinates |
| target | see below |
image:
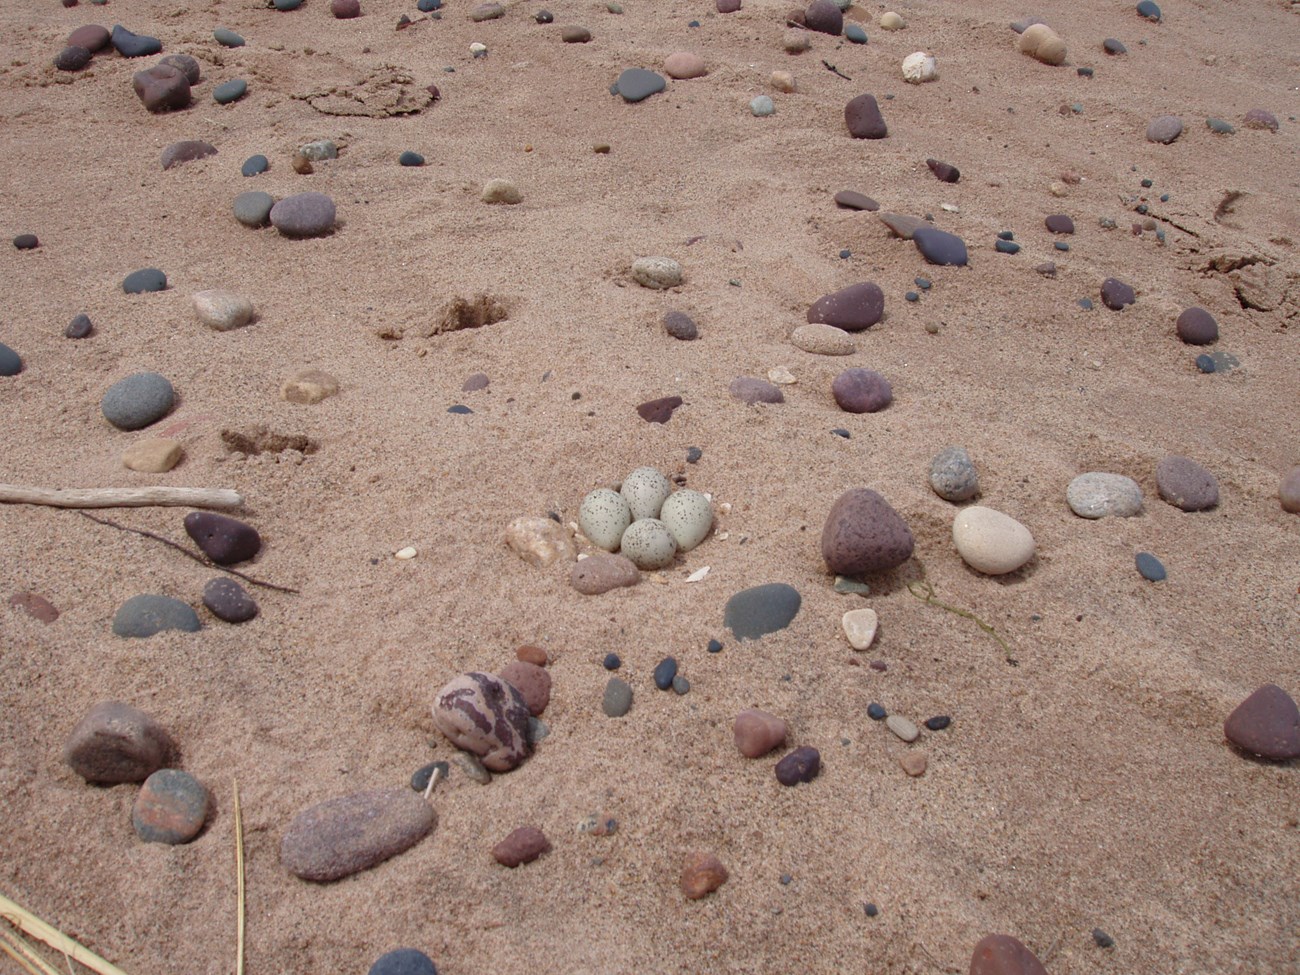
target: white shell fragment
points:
(406, 553)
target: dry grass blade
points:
(29, 923)
(239, 883)
(20, 950)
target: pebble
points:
(523, 845)
(656, 273)
(860, 627)
(153, 455)
(79, 327)
(1288, 492)
(1101, 939)
(1267, 724)
(684, 64)
(693, 455)
(727, 6)
(853, 200)
(940, 247)
(320, 150)
(227, 600)
(309, 386)
(422, 776)
(1256, 118)
(473, 768)
(227, 37)
(918, 68)
(863, 534)
(638, 84)
(304, 215)
(801, 765)
(854, 34)
(533, 683)
(821, 339)
(253, 209)
(938, 722)
(144, 280)
(649, 544)
(1164, 129)
(953, 476)
(681, 326)
(1097, 494)
(143, 616)
(914, 762)
(115, 743)
(532, 654)
(1115, 294)
(137, 401)
(751, 390)
(1001, 954)
(901, 225)
(35, 606)
(92, 37)
(681, 685)
(688, 516)
(755, 612)
(1059, 223)
(761, 106)
(796, 42)
(475, 382)
(186, 65)
(876, 712)
(702, 874)
(1186, 484)
(1148, 10)
(286, 5)
(187, 151)
(1150, 567)
(342, 836)
(404, 961)
(714, 646)
(824, 17)
(486, 716)
(852, 309)
(890, 20)
(861, 391)
(863, 119)
(599, 574)
(664, 673)
(72, 58)
(612, 661)
(501, 191)
(1219, 127)
(573, 34)
(409, 158)
(345, 9)
(658, 410)
(161, 88)
(222, 310)
(223, 539)
(428, 6)
(902, 728)
(990, 541)
(230, 91)
(11, 363)
(1043, 44)
(131, 45)
(782, 81)
(1113, 46)
(171, 807)
(757, 732)
(1196, 326)
(539, 541)
(618, 698)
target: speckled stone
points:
(1164, 129)
(170, 808)
(751, 390)
(953, 476)
(253, 209)
(1115, 294)
(820, 339)
(343, 836)
(600, 573)
(1186, 484)
(115, 743)
(1097, 495)
(755, 612)
(137, 401)
(531, 681)
(227, 600)
(304, 215)
(487, 716)
(681, 326)
(702, 873)
(1256, 118)
(225, 540)
(861, 391)
(864, 534)
(72, 58)
(1267, 724)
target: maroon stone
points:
(187, 151)
(524, 845)
(864, 534)
(863, 118)
(659, 410)
(825, 17)
(340, 837)
(801, 765)
(943, 172)
(531, 681)
(681, 326)
(1115, 294)
(857, 307)
(186, 65)
(853, 200)
(1059, 223)
(1266, 724)
(115, 743)
(345, 9)
(861, 391)
(90, 36)
(1001, 954)
(37, 607)
(223, 539)
(1256, 118)
(171, 807)
(751, 390)
(1186, 484)
(728, 6)
(161, 88)
(1196, 326)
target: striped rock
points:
(485, 715)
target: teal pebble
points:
(287, 4)
(227, 38)
(143, 616)
(409, 158)
(1219, 127)
(855, 34)
(230, 91)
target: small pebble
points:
(681, 326)
(761, 106)
(501, 191)
(474, 770)
(131, 45)
(143, 616)
(304, 215)
(656, 273)
(1256, 118)
(225, 540)
(1219, 127)
(938, 722)
(854, 34)
(756, 732)
(914, 762)
(1115, 294)
(1196, 326)
(345, 9)
(227, 600)
(861, 391)
(222, 311)
(72, 58)
(145, 280)
(1267, 724)
(1186, 484)
(953, 476)
(860, 627)
(404, 961)
(227, 38)
(170, 808)
(664, 673)
(1007, 247)
(755, 612)
(1113, 46)
(681, 685)
(523, 845)
(1085, 304)
(1164, 129)
(35, 605)
(1148, 10)
(902, 728)
(638, 84)
(912, 296)
(1205, 363)
(876, 712)
(618, 698)
(940, 247)
(1098, 495)
(253, 209)
(153, 455)
(1288, 491)
(1150, 567)
(79, 327)
(944, 172)
(714, 646)
(801, 765)
(11, 363)
(870, 909)
(254, 166)
(1102, 939)
(230, 91)
(702, 874)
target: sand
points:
(1086, 785)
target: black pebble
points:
(922, 283)
(1112, 46)
(543, 16)
(846, 254)
(224, 540)
(1007, 247)
(228, 600)
(404, 961)
(715, 646)
(611, 661)
(78, 328)
(420, 778)
(801, 765)
(1084, 72)
(693, 23)
(1205, 363)
(460, 410)
(786, 879)
(410, 158)
(871, 909)
(841, 432)
(1102, 939)
(1150, 567)
(938, 722)
(665, 671)
(1147, 184)
(72, 58)
(26, 242)
(255, 165)
(876, 712)
(145, 279)
(693, 455)
(1006, 235)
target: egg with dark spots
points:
(646, 490)
(603, 517)
(688, 516)
(649, 544)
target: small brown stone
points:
(161, 88)
(1266, 724)
(1001, 954)
(1288, 492)
(864, 534)
(35, 606)
(154, 455)
(599, 574)
(914, 763)
(171, 807)
(659, 410)
(532, 682)
(308, 387)
(524, 845)
(533, 655)
(702, 874)
(1196, 326)
(900, 224)
(301, 164)
(863, 119)
(853, 200)
(92, 37)
(115, 743)
(758, 732)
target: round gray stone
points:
(755, 612)
(143, 616)
(1098, 494)
(253, 209)
(137, 401)
(953, 476)
(145, 279)
(1164, 129)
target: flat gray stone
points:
(143, 616)
(755, 612)
(1098, 495)
(253, 209)
(137, 401)
(339, 837)
(638, 84)
(618, 698)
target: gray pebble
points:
(953, 476)
(11, 363)
(230, 91)
(137, 401)
(618, 697)
(143, 616)
(1097, 495)
(253, 209)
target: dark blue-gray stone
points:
(404, 961)
(421, 776)
(544, 17)
(72, 58)
(938, 722)
(425, 6)
(638, 84)
(753, 613)
(228, 600)
(230, 91)
(693, 455)
(137, 401)
(1219, 127)
(715, 646)
(1061, 245)
(11, 363)
(855, 34)
(460, 409)
(1085, 304)
(146, 279)
(611, 661)
(940, 247)
(410, 158)
(876, 712)
(1150, 567)
(1149, 10)
(142, 616)
(1007, 246)
(287, 4)
(1113, 46)
(664, 673)
(79, 327)
(801, 765)
(227, 37)
(253, 209)
(1205, 363)
(923, 283)
(681, 685)
(131, 45)
(254, 166)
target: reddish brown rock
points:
(853, 200)
(532, 682)
(853, 309)
(823, 16)
(1186, 484)
(161, 88)
(659, 410)
(1288, 492)
(35, 606)
(1196, 326)
(343, 836)
(1001, 954)
(944, 172)
(487, 716)
(1266, 724)
(863, 118)
(533, 655)
(223, 539)
(758, 732)
(345, 9)
(171, 807)
(702, 874)
(524, 845)
(1060, 223)
(864, 534)
(599, 574)
(115, 743)
(92, 37)
(1115, 294)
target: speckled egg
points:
(688, 515)
(646, 490)
(603, 517)
(649, 544)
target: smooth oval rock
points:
(1196, 326)
(1164, 129)
(750, 390)
(756, 732)
(227, 600)
(339, 837)
(223, 539)
(11, 363)
(345, 9)
(170, 808)
(227, 37)
(861, 391)
(412, 159)
(990, 541)
(617, 700)
(863, 118)
(859, 626)
(755, 612)
(487, 716)
(645, 490)
(1186, 484)
(953, 476)
(1149, 567)
(253, 209)
(649, 544)
(1001, 954)
(93, 37)
(404, 961)
(599, 574)
(801, 765)
(1097, 494)
(1042, 44)
(822, 339)
(688, 516)
(864, 534)
(638, 84)
(115, 743)
(1267, 724)
(940, 247)
(902, 728)
(824, 17)
(681, 326)
(187, 151)
(72, 58)
(144, 280)
(230, 91)
(143, 616)
(523, 845)
(304, 215)
(1115, 294)
(222, 310)
(603, 516)
(853, 309)
(1288, 492)
(684, 65)
(853, 200)
(131, 45)
(137, 401)
(656, 273)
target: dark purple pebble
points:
(938, 722)
(1115, 294)
(1267, 724)
(801, 765)
(861, 391)
(1196, 326)
(681, 326)
(1059, 223)
(228, 600)
(26, 242)
(825, 17)
(853, 200)
(857, 307)
(659, 410)
(943, 172)
(92, 37)
(940, 247)
(863, 119)
(223, 539)
(162, 88)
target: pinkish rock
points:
(861, 391)
(35, 606)
(751, 390)
(727, 6)
(758, 732)
(1186, 484)
(684, 64)
(345, 9)
(523, 845)
(92, 37)
(531, 681)
(1001, 954)
(343, 836)
(1266, 724)
(115, 743)
(855, 308)
(702, 873)
(864, 534)
(825, 17)
(487, 716)
(1256, 118)
(599, 574)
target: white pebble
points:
(860, 627)
(222, 310)
(1098, 494)
(892, 21)
(991, 542)
(688, 516)
(406, 553)
(762, 105)
(477, 48)
(781, 376)
(656, 272)
(645, 491)
(903, 728)
(649, 544)
(920, 67)
(501, 191)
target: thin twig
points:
(28, 922)
(239, 883)
(433, 780)
(927, 596)
(834, 70)
(187, 553)
(138, 497)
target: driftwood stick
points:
(130, 497)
